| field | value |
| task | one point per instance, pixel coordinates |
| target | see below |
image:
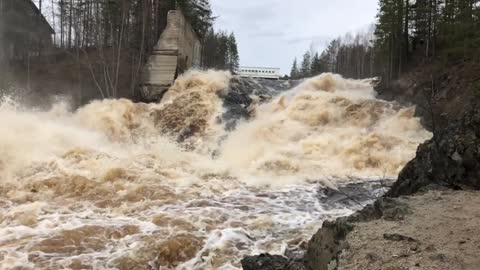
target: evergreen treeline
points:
(407, 33)
(220, 51)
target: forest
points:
(407, 33)
(103, 44)
(134, 25)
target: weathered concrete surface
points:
(177, 50)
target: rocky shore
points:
(438, 230)
(430, 218)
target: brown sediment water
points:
(119, 185)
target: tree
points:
(350, 56)
(406, 33)
(220, 51)
(199, 13)
(306, 65)
(295, 73)
(317, 67)
(115, 37)
(233, 57)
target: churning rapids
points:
(118, 185)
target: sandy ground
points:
(442, 232)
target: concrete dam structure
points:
(177, 50)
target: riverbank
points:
(439, 230)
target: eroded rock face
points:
(391, 209)
(327, 244)
(271, 262)
(244, 93)
(264, 262)
(450, 159)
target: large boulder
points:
(451, 159)
(327, 244)
(243, 94)
(264, 262)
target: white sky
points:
(270, 33)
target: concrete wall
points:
(177, 50)
(180, 36)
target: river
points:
(174, 185)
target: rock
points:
(352, 194)
(295, 254)
(386, 208)
(327, 244)
(395, 268)
(398, 237)
(243, 94)
(372, 257)
(264, 262)
(430, 248)
(296, 266)
(451, 159)
(439, 257)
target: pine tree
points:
(389, 33)
(316, 68)
(306, 65)
(330, 56)
(351, 57)
(210, 45)
(294, 73)
(234, 59)
(198, 13)
(220, 51)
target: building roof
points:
(24, 15)
(36, 12)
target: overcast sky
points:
(270, 33)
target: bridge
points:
(259, 72)
(177, 50)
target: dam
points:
(177, 50)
